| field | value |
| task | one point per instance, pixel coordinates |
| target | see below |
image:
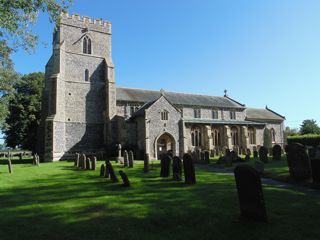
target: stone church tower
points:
(79, 101)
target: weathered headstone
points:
(165, 165)
(125, 180)
(83, 162)
(146, 163)
(263, 154)
(113, 176)
(250, 193)
(276, 152)
(189, 171)
(177, 168)
(298, 161)
(102, 170)
(10, 166)
(131, 159)
(88, 163)
(125, 158)
(93, 163)
(76, 163)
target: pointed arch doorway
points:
(165, 143)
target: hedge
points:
(307, 140)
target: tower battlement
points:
(85, 22)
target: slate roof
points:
(263, 114)
(144, 96)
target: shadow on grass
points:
(66, 203)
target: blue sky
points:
(262, 52)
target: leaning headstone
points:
(93, 163)
(298, 161)
(250, 193)
(177, 168)
(76, 163)
(125, 180)
(165, 165)
(189, 171)
(125, 158)
(113, 176)
(102, 170)
(276, 152)
(263, 154)
(9, 165)
(88, 164)
(131, 159)
(146, 163)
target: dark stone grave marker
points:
(125, 158)
(125, 180)
(112, 174)
(263, 154)
(146, 163)
(102, 170)
(276, 152)
(177, 168)
(131, 159)
(298, 161)
(165, 165)
(88, 163)
(93, 163)
(206, 157)
(189, 171)
(250, 193)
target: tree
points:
(309, 126)
(291, 131)
(16, 19)
(24, 112)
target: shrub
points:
(307, 140)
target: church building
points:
(84, 111)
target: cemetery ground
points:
(58, 201)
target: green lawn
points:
(57, 201)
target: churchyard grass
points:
(58, 201)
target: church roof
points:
(144, 96)
(264, 114)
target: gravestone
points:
(88, 163)
(263, 154)
(146, 163)
(248, 154)
(125, 180)
(37, 160)
(298, 161)
(93, 163)
(9, 165)
(125, 158)
(110, 169)
(259, 166)
(177, 168)
(20, 156)
(165, 165)
(76, 163)
(131, 159)
(106, 173)
(255, 154)
(83, 162)
(276, 152)
(189, 171)
(202, 157)
(206, 157)
(102, 170)
(250, 193)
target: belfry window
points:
(86, 75)
(232, 115)
(164, 115)
(86, 45)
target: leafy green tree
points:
(309, 126)
(16, 20)
(24, 112)
(291, 131)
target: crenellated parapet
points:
(85, 22)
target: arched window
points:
(216, 137)
(251, 135)
(86, 45)
(196, 137)
(234, 136)
(273, 135)
(164, 115)
(86, 75)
